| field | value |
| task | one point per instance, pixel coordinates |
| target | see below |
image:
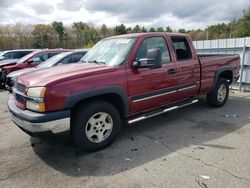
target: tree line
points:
(83, 35)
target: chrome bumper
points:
(33, 122)
(56, 126)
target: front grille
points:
(20, 98)
(20, 95)
(21, 88)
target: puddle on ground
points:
(219, 126)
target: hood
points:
(56, 74)
(20, 72)
(8, 62)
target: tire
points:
(95, 125)
(218, 97)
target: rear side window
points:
(151, 43)
(182, 48)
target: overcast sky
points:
(188, 14)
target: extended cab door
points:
(151, 87)
(188, 68)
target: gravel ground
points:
(196, 146)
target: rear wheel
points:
(95, 125)
(218, 97)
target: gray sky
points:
(178, 14)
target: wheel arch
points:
(225, 72)
(115, 95)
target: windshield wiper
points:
(97, 62)
(83, 61)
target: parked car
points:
(123, 78)
(59, 59)
(8, 62)
(15, 54)
(30, 60)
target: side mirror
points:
(30, 61)
(153, 60)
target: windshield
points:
(53, 60)
(25, 58)
(109, 52)
(6, 55)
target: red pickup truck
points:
(129, 77)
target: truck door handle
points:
(171, 71)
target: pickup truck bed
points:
(122, 78)
(209, 63)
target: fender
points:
(219, 71)
(120, 91)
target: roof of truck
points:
(136, 35)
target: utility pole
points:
(207, 34)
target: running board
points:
(145, 116)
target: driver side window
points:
(151, 43)
(40, 58)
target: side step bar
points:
(145, 116)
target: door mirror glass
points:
(30, 61)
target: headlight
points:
(37, 92)
(35, 106)
(35, 99)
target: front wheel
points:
(218, 97)
(95, 125)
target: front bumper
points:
(35, 123)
